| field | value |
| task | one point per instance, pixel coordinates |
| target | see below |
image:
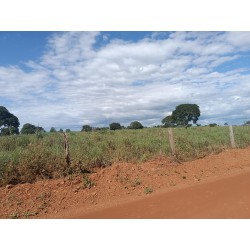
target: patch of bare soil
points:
(121, 183)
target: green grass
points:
(26, 158)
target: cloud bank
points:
(89, 78)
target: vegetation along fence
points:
(26, 158)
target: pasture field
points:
(26, 158)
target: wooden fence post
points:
(171, 140)
(66, 147)
(231, 132)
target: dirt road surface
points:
(227, 198)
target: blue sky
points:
(18, 47)
(68, 79)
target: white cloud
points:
(241, 40)
(76, 82)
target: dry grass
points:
(27, 158)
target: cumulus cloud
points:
(76, 81)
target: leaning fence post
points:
(171, 140)
(231, 132)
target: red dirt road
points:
(228, 197)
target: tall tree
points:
(184, 113)
(9, 123)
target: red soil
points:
(213, 187)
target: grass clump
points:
(87, 182)
(14, 216)
(148, 190)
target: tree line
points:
(113, 126)
(9, 124)
(180, 117)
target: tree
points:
(9, 131)
(86, 128)
(28, 129)
(168, 122)
(247, 123)
(135, 125)
(52, 130)
(67, 130)
(9, 123)
(31, 129)
(100, 128)
(184, 113)
(212, 125)
(115, 126)
(40, 129)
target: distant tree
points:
(225, 124)
(86, 128)
(212, 125)
(135, 125)
(60, 130)
(184, 113)
(52, 130)
(28, 129)
(115, 126)
(31, 129)
(95, 129)
(247, 123)
(100, 128)
(168, 122)
(9, 123)
(67, 130)
(40, 129)
(9, 131)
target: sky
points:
(70, 79)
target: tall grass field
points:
(26, 158)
